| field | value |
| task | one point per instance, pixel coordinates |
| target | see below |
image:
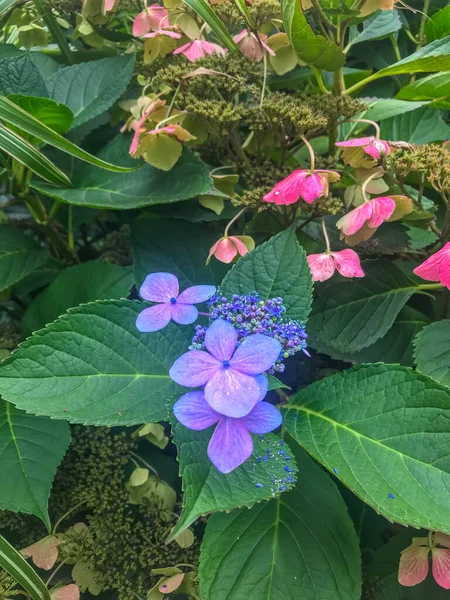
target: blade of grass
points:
(204, 10)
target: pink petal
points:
(194, 412)
(221, 339)
(240, 36)
(347, 263)
(263, 418)
(311, 188)
(355, 219)
(43, 553)
(444, 274)
(154, 318)
(172, 34)
(230, 445)
(321, 266)
(413, 567)
(256, 354)
(171, 584)
(356, 142)
(436, 266)
(108, 5)
(211, 48)
(184, 314)
(66, 592)
(141, 24)
(194, 368)
(287, 191)
(232, 393)
(241, 247)
(382, 209)
(377, 148)
(225, 250)
(159, 287)
(441, 567)
(196, 294)
(192, 50)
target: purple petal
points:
(196, 294)
(263, 384)
(230, 445)
(184, 313)
(194, 412)
(159, 287)
(256, 354)
(194, 368)
(263, 418)
(231, 393)
(154, 318)
(221, 339)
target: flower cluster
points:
(249, 314)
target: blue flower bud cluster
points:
(249, 314)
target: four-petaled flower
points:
(323, 265)
(414, 565)
(251, 46)
(437, 267)
(373, 212)
(228, 247)
(164, 289)
(231, 443)
(301, 184)
(231, 376)
(198, 49)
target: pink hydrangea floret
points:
(323, 265)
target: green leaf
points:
(432, 351)
(90, 88)
(299, 545)
(15, 564)
(19, 75)
(384, 429)
(385, 108)
(170, 246)
(14, 115)
(22, 151)
(381, 24)
(92, 366)
(19, 256)
(146, 186)
(419, 126)
(435, 87)
(205, 11)
(351, 314)
(206, 490)
(31, 449)
(276, 268)
(76, 285)
(6, 5)
(438, 26)
(56, 116)
(431, 58)
(313, 49)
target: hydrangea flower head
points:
(198, 49)
(301, 184)
(229, 374)
(163, 288)
(414, 560)
(148, 19)
(437, 267)
(228, 247)
(231, 443)
(373, 213)
(323, 265)
(251, 46)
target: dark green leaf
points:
(77, 285)
(56, 116)
(19, 75)
(90, 88)
(351, 314)
(438, 26)
(146, 186)
(384, 429)
(419, 126)
(380, 25)
(276, 268)
(15, 564)
(206, 490)
(31, 449)
(432, 351)
(313, 49)
(299, 545)
(19, 256)
(92, 366)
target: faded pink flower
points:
(323, 265)
(108, 6)
(198, 49)
(414, 566)
(66, 592)
(301, 184)
(177, 131)
(171, 584)
(165, 30)
(150, 18)
(227, 248)
(371, 146)
(373, 212)
(138, 125)
(251, 46)
(43, 553)
(437, 267)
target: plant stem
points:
(65, 515)
(325, 235)
(53, 27)
(394, 43)
(366, 183)
(144, 462)
(326, 21)
(264, 81)
(423, 20)
(61, 564)
(235, 218)
(375, 125)
(312, 159)
(320, 81)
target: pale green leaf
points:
(438, 26)
(435, 87)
